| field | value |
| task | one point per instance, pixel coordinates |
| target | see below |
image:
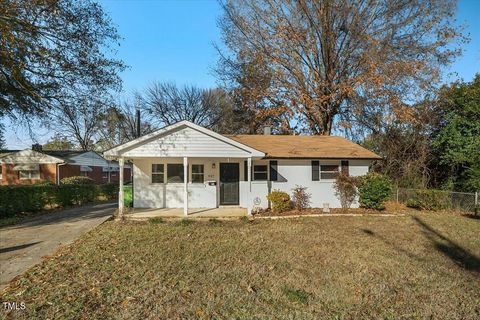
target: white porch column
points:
(120, 189)
(185, 186)
(249, 179)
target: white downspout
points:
(58, 171)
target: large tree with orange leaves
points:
(341, 63)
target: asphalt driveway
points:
(23, 245)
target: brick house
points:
(31, 166)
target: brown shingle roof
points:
(316, 147)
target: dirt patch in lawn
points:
(414, 266)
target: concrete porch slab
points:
(223, 212)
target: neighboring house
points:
(237, 170)
(33, 165)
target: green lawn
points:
(128, 196)
(416, 266)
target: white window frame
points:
(30, 174)
(159, 173)
(202, 174)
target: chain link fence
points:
(439, 200)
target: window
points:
(105, 175)
(84, 173)
(328, 172)
(197, 173)
(174, 172)
(29, 174)
(260, 172)
(157, 173)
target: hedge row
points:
(428, 199)
(32, 198)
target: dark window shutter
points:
(345, 167)
(315, 170)
(273, 170)
(245, 170)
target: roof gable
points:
(183, 139)
(29, 156)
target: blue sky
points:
(173, 41)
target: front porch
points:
(221, 212)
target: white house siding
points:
(170, 195)
(89, 159)
(202, 195)
(186, 142)
(93, 159)
(299, 172)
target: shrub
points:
(425, 199)
(279, 200)
(72, 194)
(346, 189)
(108, 190)
(36, 197)
(301, 199)
(28, 198)
(374, 189)
(44, 183)
(78, 180)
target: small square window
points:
(260, 172)
(197, 173)
(157, 173)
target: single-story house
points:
(187, 166)
(33, 165)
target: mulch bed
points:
(317, 211)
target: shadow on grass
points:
(449, 248)
(471, 216)
(393, 245)
(19, 247)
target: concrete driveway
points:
(23, 245)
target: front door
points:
(229, 183)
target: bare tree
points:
(334, 61)
(78, 119)
(168, 104)
(118, 124)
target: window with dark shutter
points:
(273, 170)
(345, 168)
(315, 170)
